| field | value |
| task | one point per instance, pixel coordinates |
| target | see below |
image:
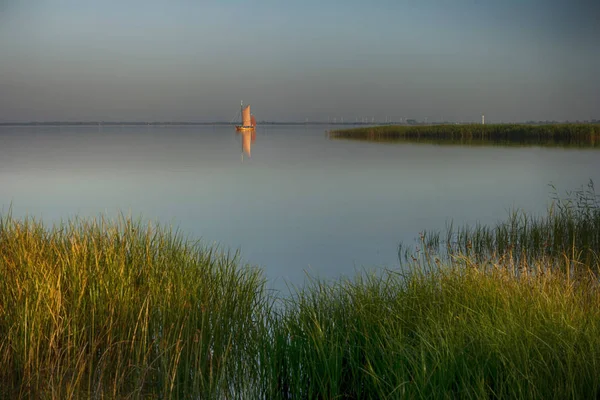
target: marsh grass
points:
(556, 135)
(510, 311)
(458, 332)
(117, 309)
(113, 309)
(567, 237)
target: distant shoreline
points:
(580, 135)
(178, 123)
(183, 123)
(155, 123)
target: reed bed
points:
(117, 309)
(559, 135)
(458, 332)
(510, 311)
(100, 309)
(567, 237)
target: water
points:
(300, 203)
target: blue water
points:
(300, 202)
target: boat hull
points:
(241, 128)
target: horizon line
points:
(405, 122)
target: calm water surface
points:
(299, 202)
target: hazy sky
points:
(513, 60)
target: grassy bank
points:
(560, 135)
(109, 309)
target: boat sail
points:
(248, 120)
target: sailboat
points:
(248, 121)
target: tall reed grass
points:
(567, 237)
(560, 135)
(117, 309)
(507, 312)
(457, 332)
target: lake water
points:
(300, 202)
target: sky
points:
(184, 60)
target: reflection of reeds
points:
(93, 309)
(559, 135)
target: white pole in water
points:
(482, 119)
